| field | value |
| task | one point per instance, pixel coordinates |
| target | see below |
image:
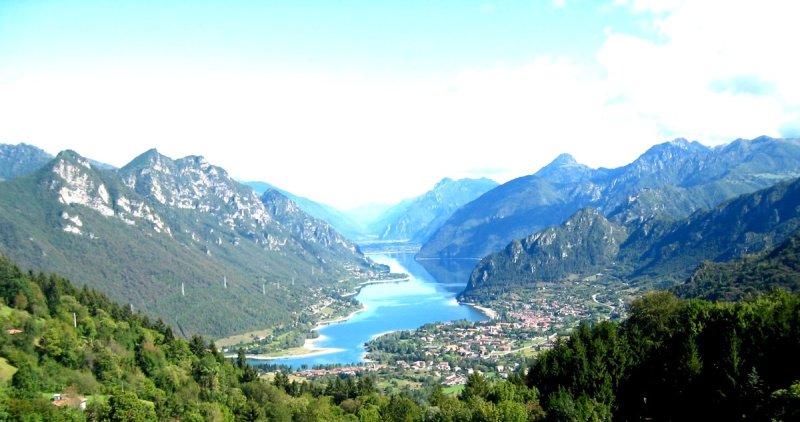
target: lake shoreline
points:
(340, 319)
(309, 349)
(376, 281)
(406, 300)
(489, 312)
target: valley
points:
(399, 211)
(284, 292)
(387, 307)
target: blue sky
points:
(349, 102)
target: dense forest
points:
(746, 276)
(678, 359)
(672, 359)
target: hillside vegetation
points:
(720, 361)
(178, 239)
(648, 252)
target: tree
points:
(510, 411)
(125, 406)
(241, 358)
(401, 408)
(26, 382)
(369, 413)
(198, 346)
(561, 407)
(477, 386)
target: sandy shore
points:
(308, 349)
(489, 312)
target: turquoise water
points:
(390, 307)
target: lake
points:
(394, 306)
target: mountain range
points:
(212, 256)
(19, 160)
(670, 180)
(415, 219)
(412, 220)
(176, 238)
(345, 224)
(657, 251)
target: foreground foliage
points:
(679, 359)
(60, 339)
(673, 359)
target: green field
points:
(5, 311)
(6, 372)
(453, 389)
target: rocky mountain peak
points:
(21, 159)
(197, 162)
(585, 217)
(76, 182)
(442, 183)
(193, 183)
(303, 226)
(279, 204)
(564, 159)
(564, 169)
(150, 154)
(71, 157)
(675, 149)
(415, 219)
(158, 224)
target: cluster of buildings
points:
(479, 341)
(544, 315)
(453, 375)
(343, 370)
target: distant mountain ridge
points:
(20, 160)
(176, 238)
(342, 222)
(651, 251)
(416, 219)
(671, 180)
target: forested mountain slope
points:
(175, 238)
(654, 251)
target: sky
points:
(360, 101)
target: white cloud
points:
(651, 6)
(715, 72)
(680, 80)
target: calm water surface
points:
(393, 306)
